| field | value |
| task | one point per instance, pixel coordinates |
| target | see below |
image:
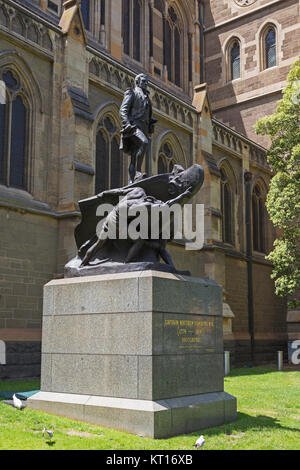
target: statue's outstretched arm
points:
(182, 198)
(119, 192)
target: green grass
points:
(268, 419)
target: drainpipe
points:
(248, 179)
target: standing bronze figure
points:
(137, 123)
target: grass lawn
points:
(268, 419)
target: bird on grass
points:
(49, 432)
(200, 442)
(18, 403)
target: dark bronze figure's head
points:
(141, 81)
(181, 179)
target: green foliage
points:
(283, 201)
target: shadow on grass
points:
(248, 423)
(50, 443)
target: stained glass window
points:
(168, 49)
(14, 119)
(270, 48)
(172, 47)
(258, 220)
(102, 11)
(235, 61)
(131, 28)
(177, 56)
(126, 25)
(17, 145)
(226, 209)
(136, 30)
(201, 37)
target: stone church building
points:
(214, 67)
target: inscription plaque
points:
(193, 332)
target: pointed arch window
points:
(258, 220)
(270, 48)
(108, 158)
(235, 60)
(226, 209)
(173, 47)
(14, 118)
(166, 159)
(131, 28)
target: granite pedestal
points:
(140, 352)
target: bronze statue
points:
(136, 199)
(103, 251)
(98, 255)
(137, 123)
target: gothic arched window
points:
(173, 47)
(235, 61)
(108, 160)
(258, 220)
(131, 28)
(270, 48)
(166, 159)
(13, 133)
(226, 209)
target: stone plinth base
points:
(139, 351)
(158, 419)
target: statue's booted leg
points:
(142, 150)
(132, 167)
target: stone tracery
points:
(244, 3)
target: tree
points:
(283, 200)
